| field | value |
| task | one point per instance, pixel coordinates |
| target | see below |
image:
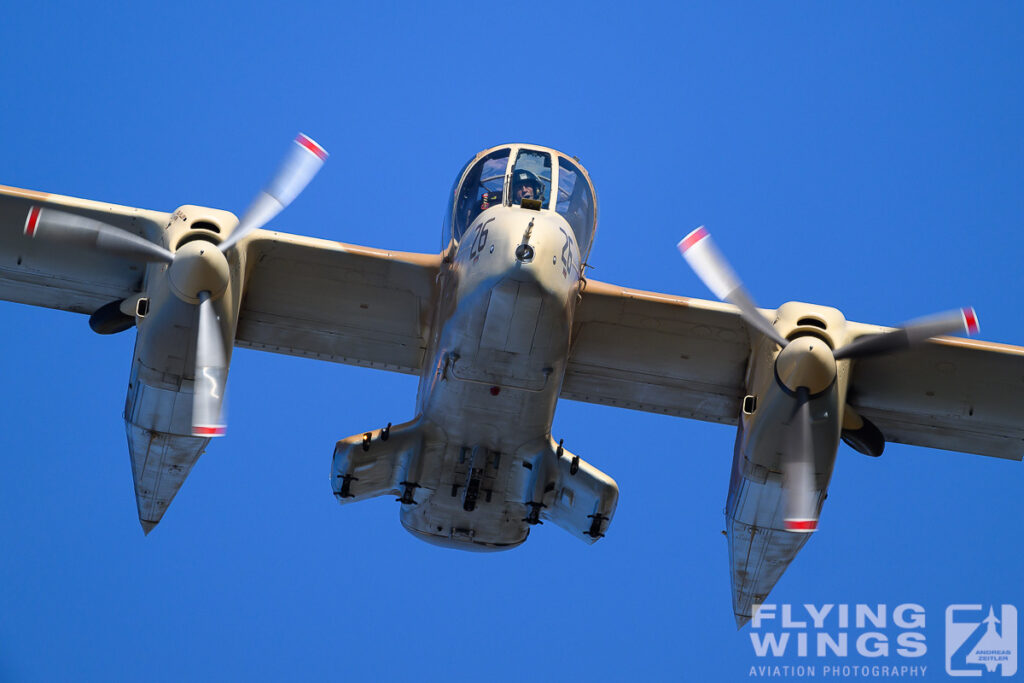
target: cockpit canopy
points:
(509, 174)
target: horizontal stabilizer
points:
(574, 494)
(375, 463)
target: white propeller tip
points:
(691, 239)
(801, 525)
(970, 321)
(309, 144)
(208, 430)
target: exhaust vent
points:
(206, 225)
(812, 322)
(197, 235)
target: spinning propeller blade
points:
(75, 230)
(298, 168)
(714, 271)
(963, 320)
(211, 373)
(798, 470)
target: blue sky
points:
(866, 156)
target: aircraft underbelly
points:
(469, 498)
(500, 370)
(496, 399)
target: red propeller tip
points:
(970, 321)
(31, 221)
(198, 430)
(311, 145)
(802, 525)
(692, 239)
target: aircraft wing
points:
(658, 353)
(951, 393)
(633, 349)
(57, 276)
(687, 357)
(338, 302)
(304, 296)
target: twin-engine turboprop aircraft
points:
(498, 326)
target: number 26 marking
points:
(567, 260)
(479, 240)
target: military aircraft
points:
(499, 325)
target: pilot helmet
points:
(521, 177)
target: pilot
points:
(525, 185)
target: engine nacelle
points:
(158, 408)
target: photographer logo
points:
(981, 640)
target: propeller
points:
(798, 469)
(198, 274)
(963, 320)
(86, 233)
(806, 363)
(298, 168)
(211, 373)
(700, 252)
